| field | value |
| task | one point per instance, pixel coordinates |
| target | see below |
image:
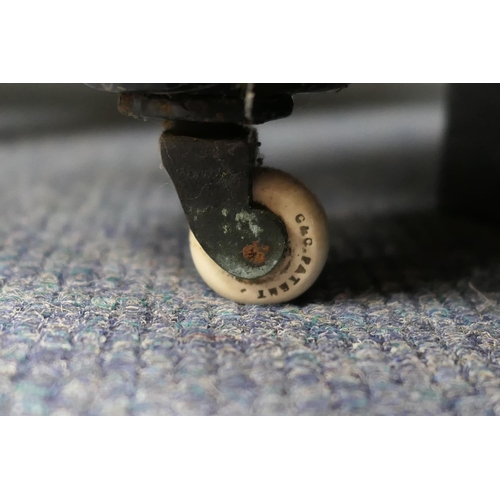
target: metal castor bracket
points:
(242, 248)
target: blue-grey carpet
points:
(102, 312)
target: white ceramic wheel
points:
(307, 229)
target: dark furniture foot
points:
(470, 181)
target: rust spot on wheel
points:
(256, 253)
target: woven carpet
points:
(103, 313)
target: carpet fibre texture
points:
(103, 313)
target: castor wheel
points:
(307, 244)
(258, 236)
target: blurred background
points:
(370, 148)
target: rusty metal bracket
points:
(210, 149)
(211, 170)
(206, 109)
